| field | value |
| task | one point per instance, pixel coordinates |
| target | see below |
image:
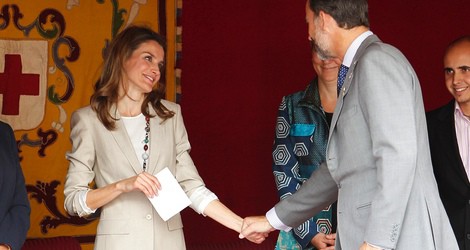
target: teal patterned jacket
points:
(299, 149)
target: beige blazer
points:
(103, 156)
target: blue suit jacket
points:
(14, 204)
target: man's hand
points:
(323, 241)
(366, 246)
(255, 229)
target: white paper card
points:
(171, 199)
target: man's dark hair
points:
(347, 13)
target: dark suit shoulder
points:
(6, 137)
(5, 128)
(441, 113)
(440, 124)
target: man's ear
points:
(321, 20)
(325, 21)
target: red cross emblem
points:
(23, 82)
(14, 83)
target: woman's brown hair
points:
(106, 89)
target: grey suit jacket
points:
(378, 161)
(103, 156)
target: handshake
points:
(255, 229)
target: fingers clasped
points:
(256, 229)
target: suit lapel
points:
(122, 139)
(156, 133)
(349, 77)
(448, 139)
(360, 51)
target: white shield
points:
(23, 82)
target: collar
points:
(459, 113)
(311, 95)
(351, 52)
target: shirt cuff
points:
(274, 220)
(200, 198)
(82, 201)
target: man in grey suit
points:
(378, 163)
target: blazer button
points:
(148, 217)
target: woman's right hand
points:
(144, 182)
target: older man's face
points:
(309, 16)
(317, 38)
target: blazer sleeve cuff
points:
(85, 210)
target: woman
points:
(299, 148)
(126, 135)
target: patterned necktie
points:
(343, 70)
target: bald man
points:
(449, 139)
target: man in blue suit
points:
(14, 204)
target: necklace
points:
(145, 155)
